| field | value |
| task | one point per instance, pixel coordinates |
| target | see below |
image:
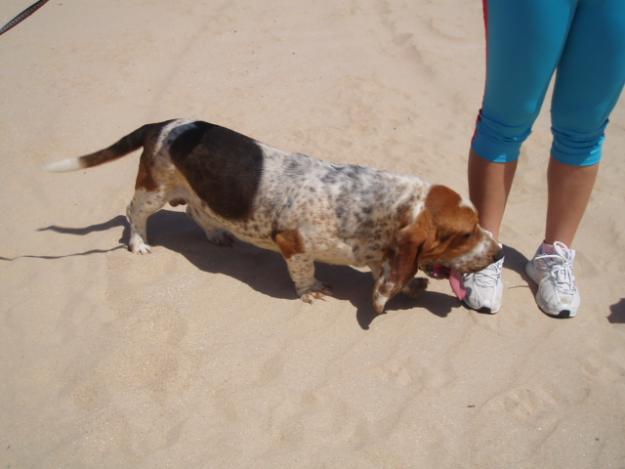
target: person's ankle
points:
(547, 247)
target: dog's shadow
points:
(263, 270)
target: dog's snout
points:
(498, 255)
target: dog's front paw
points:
(317, 292)
(139, 248)
(415, 287)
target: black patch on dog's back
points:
(222, 166)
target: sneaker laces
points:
(559, 267)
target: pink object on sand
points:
(455, 281)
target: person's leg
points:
(590, 78)
(489, 186)
(524, 44)
(569, 192)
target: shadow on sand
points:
(263, 270)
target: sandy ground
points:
(198, 356)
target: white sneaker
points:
(484, 288)
(557, 293)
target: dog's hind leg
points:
(143, 204)
(149, 198)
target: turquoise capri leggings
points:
(526, 41)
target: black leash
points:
(22, 16)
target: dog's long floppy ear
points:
(401, 263)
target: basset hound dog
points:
(306, 209)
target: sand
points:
(199, 356)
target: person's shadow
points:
(263, 270)
(617, 312)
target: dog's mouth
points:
(437, 271)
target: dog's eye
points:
(463, 238)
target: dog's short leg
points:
(301, 265)
(143, 204)
(376, 270)
(213, 233)
(302, 270)
(415, 287)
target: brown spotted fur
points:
(306, 209)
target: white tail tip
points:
(70, 164)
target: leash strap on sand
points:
(22, 16)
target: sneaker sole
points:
(564, 314)
(483, 310)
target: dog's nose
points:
(498, 255)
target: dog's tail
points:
(121, 148)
